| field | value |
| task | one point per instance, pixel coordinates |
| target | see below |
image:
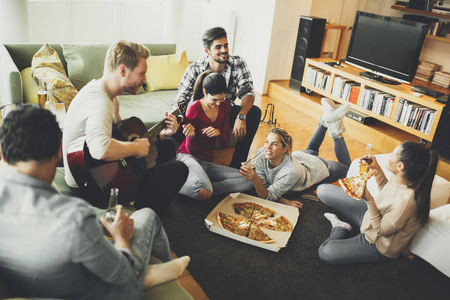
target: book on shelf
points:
(401, 102)
(354, 93)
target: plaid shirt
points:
(237, 76)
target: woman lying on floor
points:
(278, 172)
(388, 222)
(208, 122)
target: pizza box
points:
(226, 206)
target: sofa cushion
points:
(84, 62)
(439, 192)
(164, 72)
(46, 63)
(30, 86)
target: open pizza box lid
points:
(226, 206)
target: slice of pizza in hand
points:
(235, 225)
(278, 224)
(257, 234)
(262, 212)
(354, 186)
(244, 208)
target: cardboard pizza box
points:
(226, 206)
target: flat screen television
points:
(386, 47)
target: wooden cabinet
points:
(328, 79)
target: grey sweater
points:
(296, 172)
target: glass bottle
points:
(366, 160)
(42, 93)
(50, 99)
(113, 200)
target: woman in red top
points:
(207, 122)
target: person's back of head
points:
(420, 166)
(29, 133)
(211, 35)
(124, 52)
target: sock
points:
(338, 114)
(161, 273)
(335, 222)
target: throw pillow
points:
(46, 63)
(30, 87)
(164, 72)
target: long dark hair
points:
(420, 167)
(213, 83)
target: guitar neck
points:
(157, 128)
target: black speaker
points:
(441, 140)
(418, 4)
(309, 45)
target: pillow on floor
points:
(46, 63)
(164, 72)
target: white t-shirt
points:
(92, 113)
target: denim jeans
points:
(215, 178)
(340, 248)
(149, 238)
(337, 169)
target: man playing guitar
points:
(94, 112)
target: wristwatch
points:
(241, 117)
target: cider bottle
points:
(111, 212)
(366, 160)
(42, 93)
(50, 99)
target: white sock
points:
(161, 273)
(335, 222)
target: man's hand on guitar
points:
(142, 147)
(211, 131)
(188, 130)
(171, 126)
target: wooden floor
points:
(301, 127)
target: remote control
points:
(427, 91)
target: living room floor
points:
(301, 127)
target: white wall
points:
(14, 25)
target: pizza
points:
(238, 226)
(250, 227)
(255, 233)
(354, 186)
(278, 224)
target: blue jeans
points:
(340, 248)
(217, 179)
(149, 238)
(337, 169)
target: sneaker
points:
(335, 128)
(337, 115)
(328, 106)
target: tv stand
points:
(378, 78)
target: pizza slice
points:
(278, 224)
(244, 208)
(257, 234)
(262, 212)
(235, 225)
(354, 186)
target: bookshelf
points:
(424, 112)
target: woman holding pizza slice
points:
(207, 122)
(278, 171)
(388, 222)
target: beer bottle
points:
(366, 160)
(42, 93)
(50, 99)
(113, 200)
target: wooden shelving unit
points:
(402, 91)
(426, 13)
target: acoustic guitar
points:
(124, 173)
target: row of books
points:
(346, 89)
(377, 101)
(317, 77)
(441, 29)
(414, 115)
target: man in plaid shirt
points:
(245, 118)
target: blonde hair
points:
(285, 137)
(124, 52)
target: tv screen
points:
(386, 46)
